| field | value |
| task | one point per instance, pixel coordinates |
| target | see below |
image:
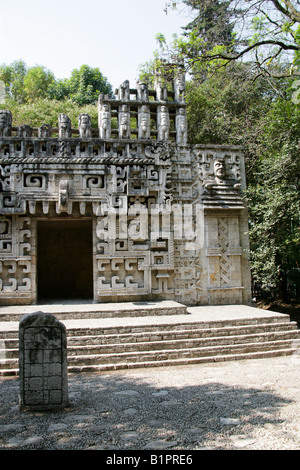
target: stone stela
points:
(42, 362)
(128, 211)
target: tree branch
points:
(282, 45)
(280, 8)
(293, 13)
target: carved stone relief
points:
(5, 123)
(163, 123)
(124, 122)
(64, 126)
(84, 125)
(168, 218)
(104, 121)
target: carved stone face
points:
(64, 120)
(219, 169)
(84, 120)
(180, 81)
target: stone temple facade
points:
(128, 211)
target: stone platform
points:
(66, 310)
(155, 334)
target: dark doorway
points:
(64, 260)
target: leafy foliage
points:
(266, 32)
(37, 82)
(226, 107)
(83, 87)
(46, 111)
(13, 77)
(274, 202)
(25, 85)
(212, 23)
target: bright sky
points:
(117, 36)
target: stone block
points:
(149, 215)
(43, 362)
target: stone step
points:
(74, 369)
(94, 326)
(163, 334)
(177, 344)
(176, 328)
(8, 364)
(87, 347)
(167, 354)
(179, 362)
(109, 344)
(180, 325)
(124, 352)
(154, 332)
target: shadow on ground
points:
(292, 309)
(124, 411)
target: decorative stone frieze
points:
(168, 219)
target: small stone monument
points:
(43, 362)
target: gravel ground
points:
(239, 405)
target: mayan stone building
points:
(128, 211)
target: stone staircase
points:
(134, 341)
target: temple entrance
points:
(64, 260)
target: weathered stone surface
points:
(43, 362)
(167, 220)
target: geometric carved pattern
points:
(149, 194)
(5, 235)
(14, 275)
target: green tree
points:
(267, 32)
(83, 87)
(13, 77)
(227, 106)
(26, 84)
(274, 202)
(212, 23)
(37, 82)
(46, 111)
